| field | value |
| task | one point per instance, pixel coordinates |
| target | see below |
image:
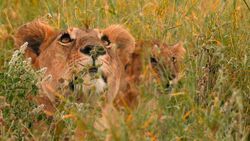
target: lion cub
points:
(151, 61)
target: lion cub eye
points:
(65, 38)
(174, 59)
(153, 61)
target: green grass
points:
(210, 103)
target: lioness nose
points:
(93, 50)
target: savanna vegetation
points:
(211, 102)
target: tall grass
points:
(210, 103)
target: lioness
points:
(70, 51)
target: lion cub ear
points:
(178, 51)
(124, 41)
(35, 33)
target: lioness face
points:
(78, 51)
(89, 55)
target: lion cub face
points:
(89, 55)
(166, 61)
(160, 62)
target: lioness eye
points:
(65, 38)
(106, 40)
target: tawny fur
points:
(171, 57)
(124, 40)
(158, 50)
(125, 60)
(35, 33)
(45, 51)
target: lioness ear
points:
(124, 41)
(35, 33)
(178, 51)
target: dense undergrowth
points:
(211, 102)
